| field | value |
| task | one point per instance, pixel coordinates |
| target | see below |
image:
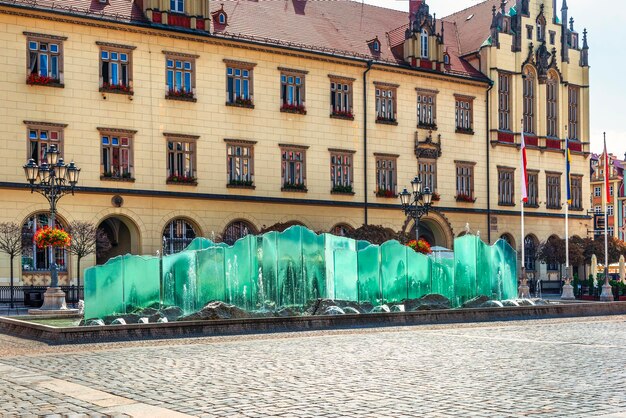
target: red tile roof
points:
(338, 27)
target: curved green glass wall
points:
(291, 268)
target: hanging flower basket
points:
(51, 237)
(420, 246)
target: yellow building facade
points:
(201, 132)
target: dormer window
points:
(424, 44)
(221, 18)
(374, 45)
(177, 6)
(446, 59)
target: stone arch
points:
(509, 239)
(183, 225)
(300, 221)
(192, 218)
(132, 220)
(234, 217)
(34, 263)
(236, 229)
(433, 227)
(124, 235)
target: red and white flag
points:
(607, 169)
(524, 173)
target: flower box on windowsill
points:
(345, 190)
(506, 204)
(464, 131)
(553, 207)
(386, 194)
(436, 197)
(246, 103)
(182, 95)
(465, 198)
(430, 126)
(241, 184)
(41, 80)
(576, 209)
(526, 205)
(298, 188)
(298, 109)
(182, 180)
(385, 121)
(116, 89)
(110, 177)
(342, 115)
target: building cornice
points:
(249, 44)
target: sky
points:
(605, 21)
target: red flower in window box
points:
(386, 193)
(462, 197)
(115, 88)
(40, 80)
(343, 114)
(51, 237)
(175, 178)
(436, 197)
(183, 94)
(420, 246)
(243, 102)
(383, 119)
(293, 108)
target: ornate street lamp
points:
(53, 179)
(418, 203)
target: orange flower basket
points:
(420, 246)
(51, 237)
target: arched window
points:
(236, 230)
(530, 253)
(38, 259)
(508, 239)
(222, 18)
(424, 43)
(446, 59)
(341, 230)
(529, 101)
(177, 235)
(551, 104)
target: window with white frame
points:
(609, 210)
(177, 6)
(424, 44)
(116, 150)
(293, 170)
(426, 109)
(463, 113)
(427, 171)
(45, 59)
(597, 209)
(597, 191)
(239, 163)
(181, 160)
(385, 103)
(292, 90)
(180, 77)
(386, 172)
(239, 86)
(465, 181)
(341, 171)
(341, 97)
(115, 67)
(42, 137)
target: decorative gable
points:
(190, 14)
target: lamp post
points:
(416, 203)
(53, 179)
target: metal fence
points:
(33, 295)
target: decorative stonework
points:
(428, 148)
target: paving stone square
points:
(539, 368)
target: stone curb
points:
(90, 334)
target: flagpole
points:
(523, 290)
(607, 292)
(568, 290)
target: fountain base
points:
(53, 304)
(607, 293)
(568, 292)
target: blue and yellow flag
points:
(568, 161)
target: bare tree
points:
(86, 239)
(11, 244)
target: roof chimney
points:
(414, 6)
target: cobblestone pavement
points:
(566, 368)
